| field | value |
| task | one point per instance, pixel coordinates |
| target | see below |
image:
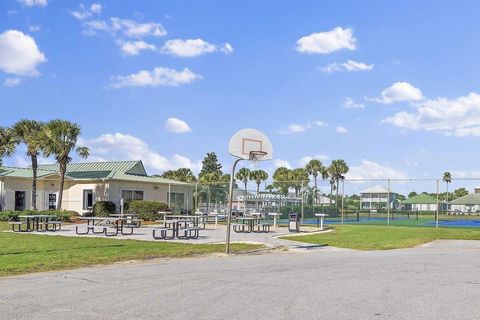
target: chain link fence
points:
(399, 202)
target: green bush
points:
(147, 210)
(103, 208)
(10, 215)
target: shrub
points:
(65, 216)
(147, 210)
(104, 208)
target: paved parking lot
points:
(435, 281)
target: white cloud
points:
(348, 66)
(298, 128)
(303, 161)
(86, 13)
(399, 91)
(373, 170)
(293, 128)
(459, 117)
(277, 163)
(327, 42)
(133, 48)
(176, 125)
(35, 28)
(12, 82)
(320, 123)
(350, 104)
(342, 130)
(96, 8)
(19, 54)
(158, 77)
(119, 146)
(192, 48)
(461, 174)
(33, 3)
(125, 27)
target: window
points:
(87, 199)
(129, 195)
(177, 200)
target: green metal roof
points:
(129, 171)
(473, 198)
(23, 172)
(131, 167)
(89, 174)
(420, 199)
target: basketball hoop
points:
(246, 144)
(257, 155)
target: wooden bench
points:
(19, 225)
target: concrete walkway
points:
(435, 281)
(211, 235)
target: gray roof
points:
(376, 189)
(473, 198)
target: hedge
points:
(10, 215)
(147, 210)
(103, 208)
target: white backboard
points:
(248, 140)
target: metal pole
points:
(303, 197)
(230, 202)
(169, 195)
(388, 204)
(343, 197)
(436, 212)
(196, 196)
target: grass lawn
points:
(24, 253)
(363, 237)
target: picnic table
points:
(132, 218)
(36, 222)
(180, 226)
(119, 224)
(250, 223)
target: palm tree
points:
(8, 143)
(299, 177)
(282, 179)
(447, 178)
(315, 167)
(29, 132)
(258, 176)
(244, 176)
(338, 169)
(59, 140)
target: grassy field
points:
(24, 253)
(363, 237)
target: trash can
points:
(293, 222)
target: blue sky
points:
(393, 85)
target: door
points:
(52, 201)
(87, 199)
(20, 197)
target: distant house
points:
(421, 202)
(468, 203)
(377, 197)
(87, 183)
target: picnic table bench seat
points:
(19, 225)
(240, 227)
(55, 225)
(263, 227)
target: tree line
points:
(56, 138)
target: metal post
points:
(343, 197)
(196, 196)
(169, 195)
(303, 197)
(230, 202)
(388, 204)
(436, 212)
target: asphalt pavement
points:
(440, 280)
